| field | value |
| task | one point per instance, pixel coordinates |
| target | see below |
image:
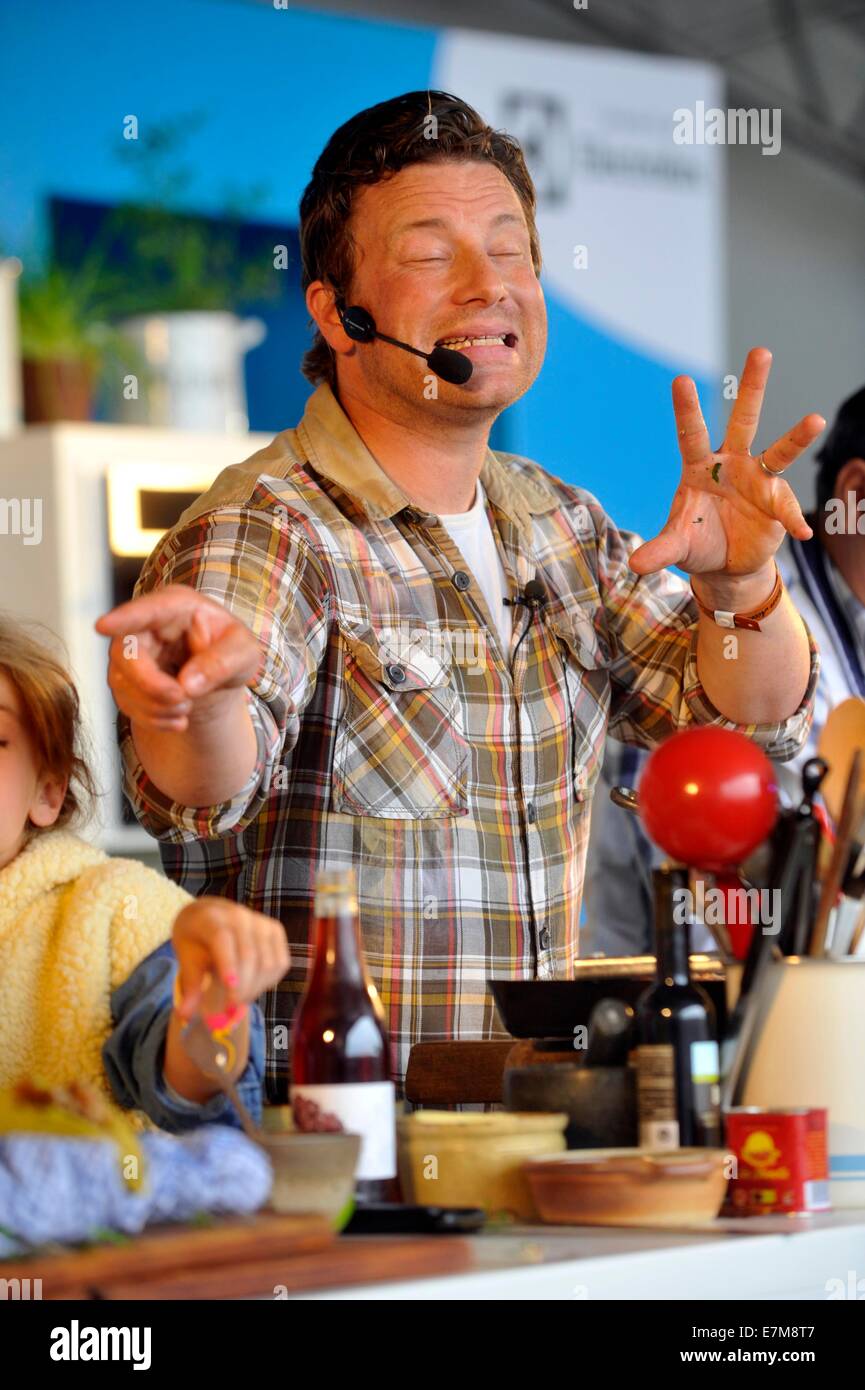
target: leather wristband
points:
(750, 621)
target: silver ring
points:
(773, 472)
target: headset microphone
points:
(446, 363)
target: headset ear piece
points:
(358, 323)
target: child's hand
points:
(247, 952)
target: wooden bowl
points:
(629, 1187)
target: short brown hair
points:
(51, 715)
(372, 146)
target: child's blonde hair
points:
(51, 716)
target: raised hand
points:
(172, 649)
(729, 515)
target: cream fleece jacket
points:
(74, 924)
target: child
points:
(91, 947)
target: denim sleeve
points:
(134, 1054)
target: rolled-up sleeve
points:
(652, 627)
(134, 1054)
(258, 564)
(781, 740)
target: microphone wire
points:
(535, 603)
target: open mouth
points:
(488, 340)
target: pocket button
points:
(395, 673)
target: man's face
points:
(443, 251)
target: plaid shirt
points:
(396, 736)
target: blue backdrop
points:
(274, 84)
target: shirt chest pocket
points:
(585, 658)
(400, 750)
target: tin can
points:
(782, 1161)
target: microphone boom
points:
(447, 363)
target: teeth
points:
(471, 342)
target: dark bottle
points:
(678, 1089)
(339, 1050)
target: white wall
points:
(796, 283)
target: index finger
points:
(150, 610)
(694, 443)
(745, 415)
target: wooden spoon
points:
(842, 734)
(847, 821)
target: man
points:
(825, 578)
(325, 670)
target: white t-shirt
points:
(472, 534)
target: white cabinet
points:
(63, 561)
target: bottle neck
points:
(338, 953)
(672, 930)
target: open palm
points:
(728, 517)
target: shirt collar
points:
(337, 451)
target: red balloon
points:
(708, 797)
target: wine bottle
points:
(678, 1090)
(339, 1050)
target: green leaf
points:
(341, 1220)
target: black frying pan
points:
(554, 1008)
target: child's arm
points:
(136, 1055)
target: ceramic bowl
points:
(312, 1173)
(472, 1159)
(629, 1187)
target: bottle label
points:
(367, 1108)
(656, 1096)
(705, 1075)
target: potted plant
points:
(61, 344)
(188, 277)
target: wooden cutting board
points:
(261, 1255)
